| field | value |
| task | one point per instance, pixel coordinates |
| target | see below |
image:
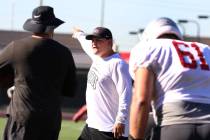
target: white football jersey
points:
(182, 69)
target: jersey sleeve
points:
(134, 54)
(148, 56)
(123, 84)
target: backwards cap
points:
(159, 27)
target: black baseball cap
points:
(100, 33)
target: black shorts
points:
(182, 132)
(94, 134)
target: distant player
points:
(80, 113)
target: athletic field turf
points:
(69, 130)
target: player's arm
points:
(6, 68)
(80, 113)
(140, 105)
(123, 82)
(85, 44)
(70, 82)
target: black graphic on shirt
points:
(92, 78)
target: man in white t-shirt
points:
(175, 76)
(109, 87)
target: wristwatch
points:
(132, 138)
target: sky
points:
(120, 16)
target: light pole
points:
(203, 16)
(183, 28)
(12, 15)
(139, 32)
(193, 21)
(102, 12)
(40, 2)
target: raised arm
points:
(85, 44)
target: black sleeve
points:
(6, 68)
(70, 82)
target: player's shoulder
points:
(165, 44)
(191, 44)
(159, 42)
(150, 46)
(117, 60)
(201, 44)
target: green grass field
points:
(69, 131)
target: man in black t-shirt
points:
(43, 71)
